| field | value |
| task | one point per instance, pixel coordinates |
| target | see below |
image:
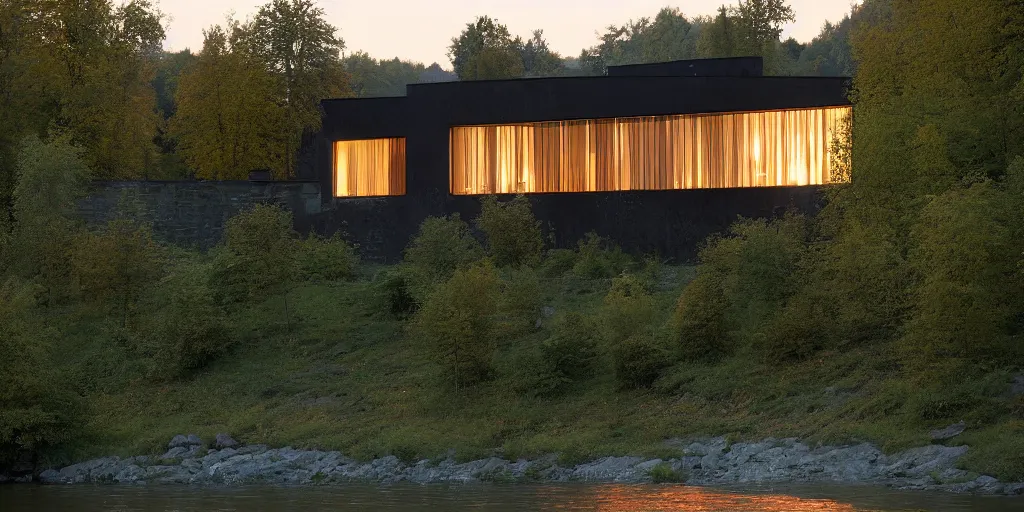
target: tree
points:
(752, 27)
(370, 77)
(228, 120)
(299, 47)
(50, 179)
(538, 59)
(670, 36)
(485, 50)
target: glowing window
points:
(369, 167)
(750, 149)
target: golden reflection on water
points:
(695, 499)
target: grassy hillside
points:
(351, 378)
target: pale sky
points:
(421, 30)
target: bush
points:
(521, 297)
(116, 265)
(627, 308)
(456, 321)
(394, 290)
(966, 254)
(700, 320)
(639, 360)
(558, 262)
(595, 261)
(795, 332)
(259, 245)
(570, 353)
(192, 327)
(325, 259)
(759, 265)
(513, 233)
(443, 245)
(664, 474)
(36, 412)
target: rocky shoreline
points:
(704, 462)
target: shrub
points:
(627, 308)
(36, 412)
(570, 353)
(325, 259)
(759, 264)
(795, 332)
(443, 245)
(260, 250)
(456, 321)
(969, 292)
(558, 262)
(521, 297)
(596, 262)
(664, 474)
(700, 320)
(117, 264)
(639, 360)
(393, 288)
(513, 233)
(192, 327)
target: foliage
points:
(118, 264)
(36, 412)
(394, 289)
(969, 294)
(228, 120)
(700, 322)
(639, 360)
(191, 328)
(301, 50)
(50, 179)
(443, 245)
(485, 50)
(456, 322)
(571, 353)
(372, 78)
(325, 259)
(627, 309)
(521, 296)
(663, 473)
(558, 262)
(513, 233)
(670, 36)
(595, 261)
(259, 250)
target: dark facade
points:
(670, 222)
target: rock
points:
(948, 432)
(1017, 385)
(182, 452)
(224, 441)
(548, 311)
(27, 479)
(181, 441)
(50, 476)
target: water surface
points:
(604, 498)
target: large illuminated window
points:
(750, 149)
(369, 167)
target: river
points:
(443, 498)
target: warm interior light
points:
(749, 149)
(369, 167)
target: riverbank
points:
(707, 462)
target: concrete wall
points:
(192, 213)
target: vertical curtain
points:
(370, 167)
(751, 149)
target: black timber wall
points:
(669, 222)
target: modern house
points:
(653, 156)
